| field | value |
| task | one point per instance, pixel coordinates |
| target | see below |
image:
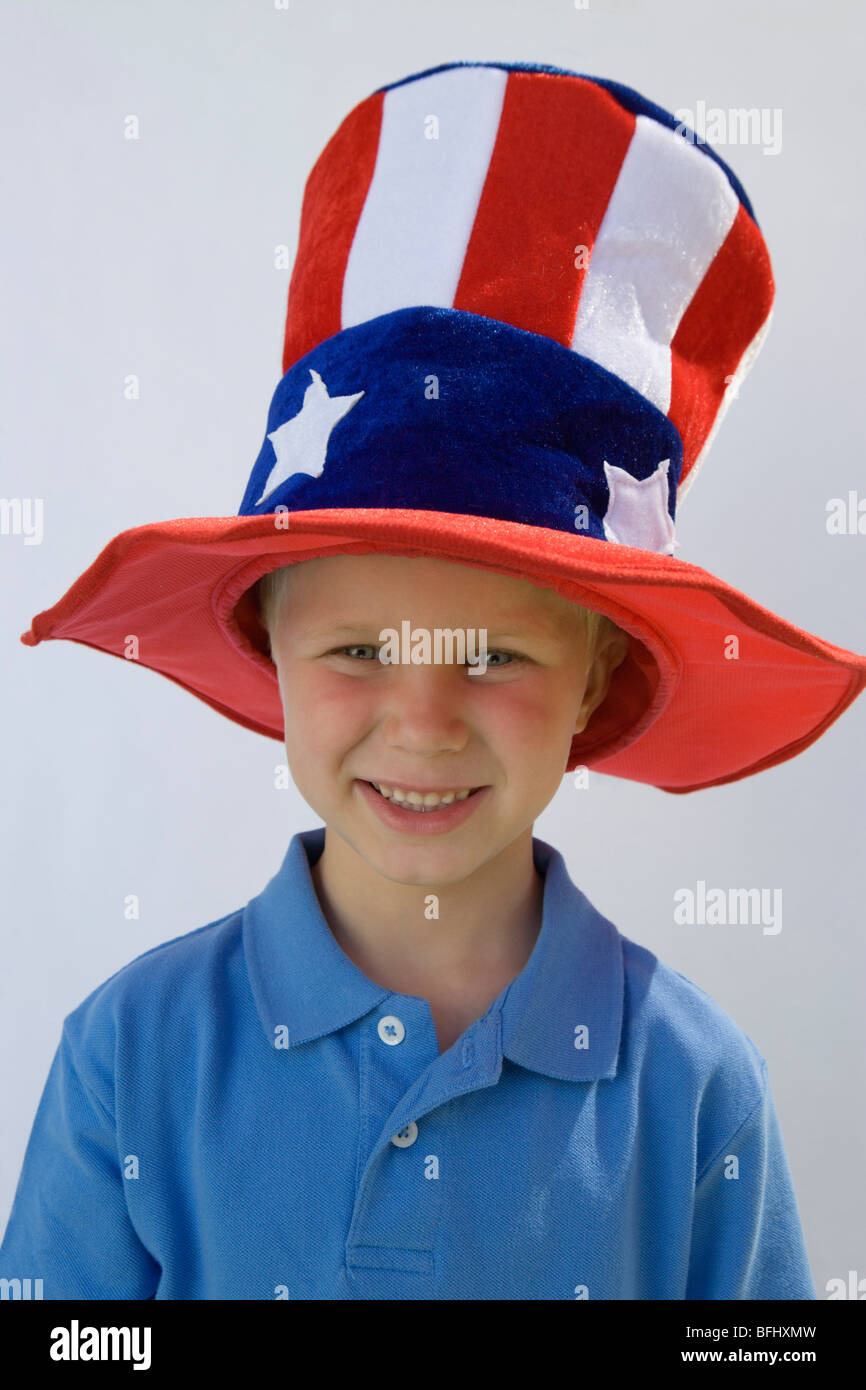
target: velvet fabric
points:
(468, 415)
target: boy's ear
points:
(610, 653)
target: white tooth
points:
(421, 801)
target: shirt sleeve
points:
(70, 1225)
(747, 1241)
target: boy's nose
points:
(424, 712)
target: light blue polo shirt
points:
(240, 1113)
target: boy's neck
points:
(484, 935)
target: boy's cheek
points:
(524, 707)
(323, 726)
(317, 695)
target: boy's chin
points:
(427, 866)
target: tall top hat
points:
(522, 301)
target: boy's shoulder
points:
(671, 1006)
(678, 1038)
(167, 985)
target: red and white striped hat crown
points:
(565, 205)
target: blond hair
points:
(270, 591)
(599, 627)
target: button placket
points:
(392, 1032)
(397, 1203)
(400, 1195)
(397, 1044)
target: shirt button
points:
(404, 1137)
(391, 1030)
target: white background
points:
(156, 257)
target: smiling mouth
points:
(423, 803)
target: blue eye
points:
(358, 647)
(508, 658)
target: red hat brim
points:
(683, 711)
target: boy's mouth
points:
(422, 802)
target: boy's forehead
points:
(329, 582)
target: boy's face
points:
(351, 719)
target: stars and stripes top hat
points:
(521, 303)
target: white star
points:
(637, 512)
(301, 443)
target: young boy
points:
(420, 1064)
(477, 755)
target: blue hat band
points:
(437, 409)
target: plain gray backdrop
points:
(156, 257)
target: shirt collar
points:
(303, 982)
